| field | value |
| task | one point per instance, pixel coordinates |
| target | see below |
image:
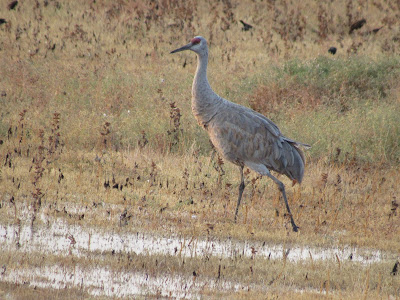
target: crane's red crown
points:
(195, 41)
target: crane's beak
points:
(186, 47)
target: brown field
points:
(97, 140)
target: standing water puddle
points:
(61, 239)
(103, 282)
(64, 240)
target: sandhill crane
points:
(242, 136)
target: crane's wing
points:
(268, 122)
(241, 135)
(259, 120)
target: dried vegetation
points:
(96, 130)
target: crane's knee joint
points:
(281, 187)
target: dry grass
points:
(96, 128)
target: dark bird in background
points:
(376, 29)
(357, 25)
(246, 27)
(395, 268)
(2, 21)
(373, 31)
(12, 5)
(332, 50)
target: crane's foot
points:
(294, 226)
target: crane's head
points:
(197, 44)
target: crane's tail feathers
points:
(305, 146)
(295, 143)
(301, 154)
(295, 170)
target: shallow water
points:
(62, 239)
(103, 282)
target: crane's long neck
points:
(204, 101)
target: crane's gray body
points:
(242, 136)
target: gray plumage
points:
(242, 136)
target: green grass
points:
(369, 133)
(356, 77)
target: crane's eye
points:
(195, 41)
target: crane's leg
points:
(241, 189)
(282, 189)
